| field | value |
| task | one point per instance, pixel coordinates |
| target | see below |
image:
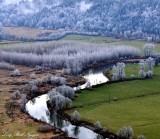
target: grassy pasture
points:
(137, 105)
(109, 41)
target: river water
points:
(37, 108)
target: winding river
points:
(37, 108)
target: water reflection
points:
(37, 108)
(40, 111)
(94, 76)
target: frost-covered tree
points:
(75, 117)
(58, 101)
(150, 63)
(114, 73)
(142, 66)
(66, 91)
(64, 55)
(125, 132)
(118, 71)
(34, 88)
(146, 68)
(88, 84)
(148, 50)
(15, 73)
(57, 80)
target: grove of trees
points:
(72, 57)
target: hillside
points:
(127, 18)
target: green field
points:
(137, 106)
(109, 41)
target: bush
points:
(32, 76)
(57, 101)
(75, 117)
(125, 133)
(22, 105)
(15, 73)
(34, 88)
(16, 95)
(98, 125)
(55, 80)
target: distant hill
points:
(127, 18)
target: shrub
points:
(34, 88)
(22, 105)
(55, 80)
(88, 84)
(16, 95)
(47, 78)
(125, 133)
(15, 73)
(32, 75)
(98, 125)
(75, 117)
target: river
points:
(37, 108)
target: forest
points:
(120, 18)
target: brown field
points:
(26, 32)
(23, 125)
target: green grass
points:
(109, 41)
(142, 114)
(94, 39)
(137, 106)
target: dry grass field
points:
(25, 32)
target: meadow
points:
(137, 104)
(110, 41)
